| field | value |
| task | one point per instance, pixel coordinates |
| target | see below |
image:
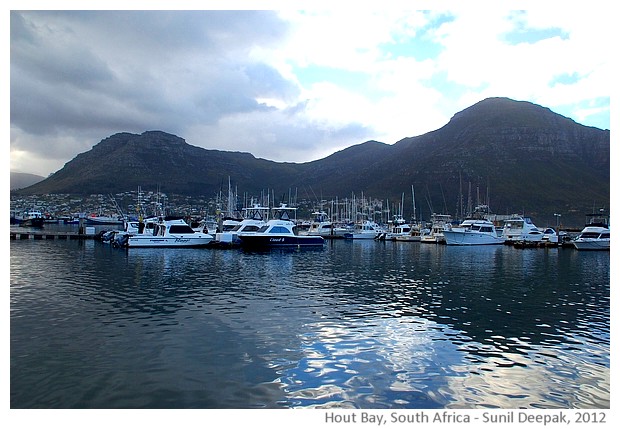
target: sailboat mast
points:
(413, 199)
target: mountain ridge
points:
(531, 158)
(19, 180)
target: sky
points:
(289, 83)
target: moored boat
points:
(521, 229)
(322, 226)
(32, 219)
(414, 235)
(169, 232)
(366, 230)
(596, 234)
(254, 218)
(281, 231)
(473, 232)
(398, 227)
(434, 235)
(94, 219)
(550, 238)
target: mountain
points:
(155, 159)
(23, 180)
(521, 156)
(531, 160)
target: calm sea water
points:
(355, 325)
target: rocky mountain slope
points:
(524, 157)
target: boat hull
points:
(458, 238)
(32, 223)
(270, 241)
(153, 241)
(594, 244)
(361, 236)
(413, 238)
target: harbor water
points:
(357, 324)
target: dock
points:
(49, 235)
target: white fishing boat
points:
(521, 229)
(434, 235)
(169, 232)
(415, 234)
(119, 238)
(398, 232)
(415, 227)
(227, 224)
(366, 230)
(472, 232)
(206, 225)
(254, 218)
(281, 231)
(398, 227)
(99, 219)
(550, 237)
(322, 226)
(596, 234)
(31, 219)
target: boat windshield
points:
(247, 228)
(590, 235)
(279, 230)
(181, 229)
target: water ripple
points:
(356, 325)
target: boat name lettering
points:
(276, 240)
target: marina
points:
(262, 309)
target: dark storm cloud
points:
(132, 71)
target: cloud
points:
(289, 85)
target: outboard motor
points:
(107, 236)
(120, 240)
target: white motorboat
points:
(434, 235)
(473, 232)
(399, 231)
(227, 224)
(94, 219)
(322, 226)
(366, 230)
(595, 235)
(398, 227)
(32, 218)
(168, 233)
(281, 231)
(118, 238)
(415, 227)
(521, 229)
(550, 237)
(414, 235)
(254, 218)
